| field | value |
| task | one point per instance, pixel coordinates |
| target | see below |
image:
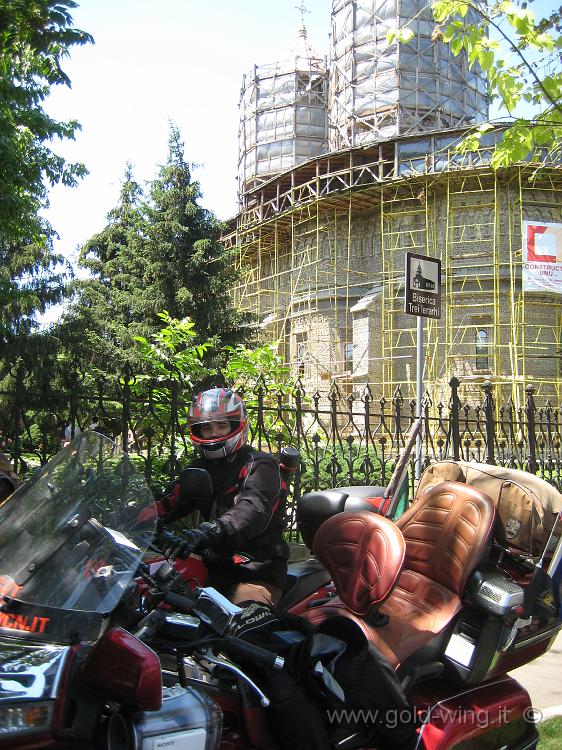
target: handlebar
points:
(234, 645)
(165, 540)
(259, 655)
(237, 647)
(179, 603)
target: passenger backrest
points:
(447, 531)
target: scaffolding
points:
(380, 90)
(322, 249)
(283, 115)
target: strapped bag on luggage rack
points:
(527, 505)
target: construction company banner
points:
(542, 257)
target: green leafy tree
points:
(35, 37)
(247, 368)
(265, 382)
(173, 353)
(32, 277)
(521, 55)
(192, 272)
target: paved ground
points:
(542, 678)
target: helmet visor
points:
(216, 430)
(216, 405)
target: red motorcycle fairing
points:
(494, 714)
(126, 669)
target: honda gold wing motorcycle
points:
(460, 590)
(71, 672)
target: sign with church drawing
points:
(542, 256)
(423, 286)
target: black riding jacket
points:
(249, 501)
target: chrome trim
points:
(208, 655)
(536, 638)
(556, 556)
(30, 672)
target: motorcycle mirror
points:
(165, 573)
(195, 482)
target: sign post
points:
(422, 298)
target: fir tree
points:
(192, 272)
(155, 255)
(110, 306)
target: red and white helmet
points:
(218, 405)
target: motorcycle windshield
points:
(72, 537)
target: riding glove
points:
(193, 540)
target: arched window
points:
(482, 350)
(301, 346)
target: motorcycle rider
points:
(241, 540)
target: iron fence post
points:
(489, 421)
(73, 415)
(454, 413)
(530, 410)
(299, 430)
(173, 425)
(397, 434)
(426, 406)
(19, 410)
(126, 411)
(260, 426)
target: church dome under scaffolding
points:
(283, 114)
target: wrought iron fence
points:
(343, 440)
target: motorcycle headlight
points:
(25, 718)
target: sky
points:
(152, 62)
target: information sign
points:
(423, 286)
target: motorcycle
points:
(75, 667)
(72, 674)
(461, 589)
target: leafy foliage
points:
(247, 368)
(520, 54)
(35, 37)
(174, 353)
(28, 285)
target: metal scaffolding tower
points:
(321, 257)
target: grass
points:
(550, 734)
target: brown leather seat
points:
(447, 532)
(364, 553)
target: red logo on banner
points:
(532, 255)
